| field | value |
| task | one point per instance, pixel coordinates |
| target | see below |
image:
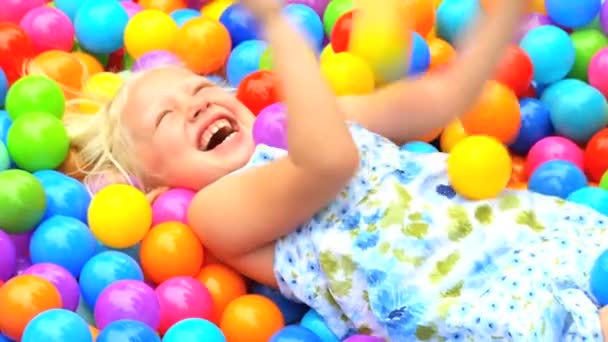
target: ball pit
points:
(540, 124)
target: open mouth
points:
(217, 133)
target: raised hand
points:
(263, 9)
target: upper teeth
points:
(212, 129)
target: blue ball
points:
(292, 311)
(57, 325)
(573, 14)
(578, 110)
(240, 23)
(64, 241)
(69, 7)
(557, 178)
(243, 60)
(133, 251)
(419, 147)
(127, 330)
(421, 56)
(100, 25)
(294, 333)
(315, 323)
(5, 124)
(65, 195)
(104, 269)
(592, 197)
(535, 125)
(309, 23)
(181, 16)
(551, 51)
(455, 17)
(3, 87)
(194, 330)
(3, 338)
(599, 279)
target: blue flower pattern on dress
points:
(399, 254)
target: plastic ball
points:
(598, 71)
(419, 147)
(194, 330)
(35, 94)
(172, 206)
(551, 51)
(441, 52)
(515, 70)
(479, 167)
(258, 90)
(251, 318)
(348, 74)
(169, 250)
(244, 60)
(596, 155)
(127, 330)
(181, 16)
(120, 216)
(592, 197)
(48, 28)
(22, 201)
(131, 7)
(15, 49)
(308, 22)
(551, 148)
(100, 25)
(535, 125)
(531, 21)
(294, 333)
(155, 59)
(3, 87)
(292, 311)
(65, 195)
(17, 309)
(455, 17)
(5, 159)
(14, 10)
(327, 51)
(315, 323)
(571, 14)
(577, 109)
(167, 6)
(215, 9)
(421, 56)
(599, 279)
(224, 285)
(334, 10)
(586, 44)
(363, 338)
(8, 257)
(90, 64)
(557, 178)
(203, 37)
(319, 6)
(496, 114)
(182, 298)
(270, 126)
(452, 134)
(62, 67)
(340, 35)
(62, 279)
(101, 88)
(104, 269)
(240, 23)
(149, 30)
(44, 327)
(137, 301)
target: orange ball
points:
(518, 186)
(203, 44)
(496, 114)
(171, 249)
(518, 164)
(62, 67)
(442, 53)
(430, 136)
(424, 16)
(166, 6)
(224, 284)
(251, 318)
(21, 299)
(94, 332)
(91, 65)
(452, 134)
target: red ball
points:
(515, 70)
(16, 49)
(258, 90)
(340, 35)
(596, 155)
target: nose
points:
(197, 108)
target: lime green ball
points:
(35, 93)
(38, 141)
(128, 61)
(51, 4)
(335, 9)
(266, 60)
(604, 181)
(5, 161)
(586, 44)
(22, 201)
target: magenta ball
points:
(8, 257)
(49, 29)
(318, 5)
(530, 22)
(181, 298)
(127, 299)
(598, 71)
(172, 206)
(22, 243)
(552, 148)
(131, 7)
(13, 10)
(363, 338)
(62, 279)
(155, 59)
(270, 126)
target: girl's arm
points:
(407, 109)
(240, 214)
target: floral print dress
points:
(400, 255)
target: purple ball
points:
(63, 280)
(127, 299)
(604, 17)
(155, 59)
(22, 243)
(532, 21)
(172, 206)
(22, 264)
(318, 5)
(131, 7)
(8, 256)
(363, 338)
(270, 126)
(195, 4)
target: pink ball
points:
(49, 29)
(172, 206)
(131, 7)
(552, 148)
(14, 10)
(181, 298)
(598, 71)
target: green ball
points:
(586, 44)
(128, 61)
(38, 141)
(22, 201)
(604, 181)
(5, 161)
(35, 93)
(335, 9)
(266, 60)
(104, 59)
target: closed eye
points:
(161, 116)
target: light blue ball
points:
(577, 109)
(194, 330)
(243, 60)
(592, 197)
(294, 333)
(455, 17)
(181, 16)
(573, 14)
(551, 51)
(599, 279)
(419, 147)
(127, 330)
(315, 323)
(421, 56)
(557, 178)
(5, 161)
(69, 7)
(100, 25)
(64, 195)
(5, 124)
(57, 325)
(308, 22)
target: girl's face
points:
(187, 132)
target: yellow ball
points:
(452, 134)
(328, 50)
(99, 89)
(347, 74)
(479, 167)
(216, 8)
(120, 216)
(149, 30)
